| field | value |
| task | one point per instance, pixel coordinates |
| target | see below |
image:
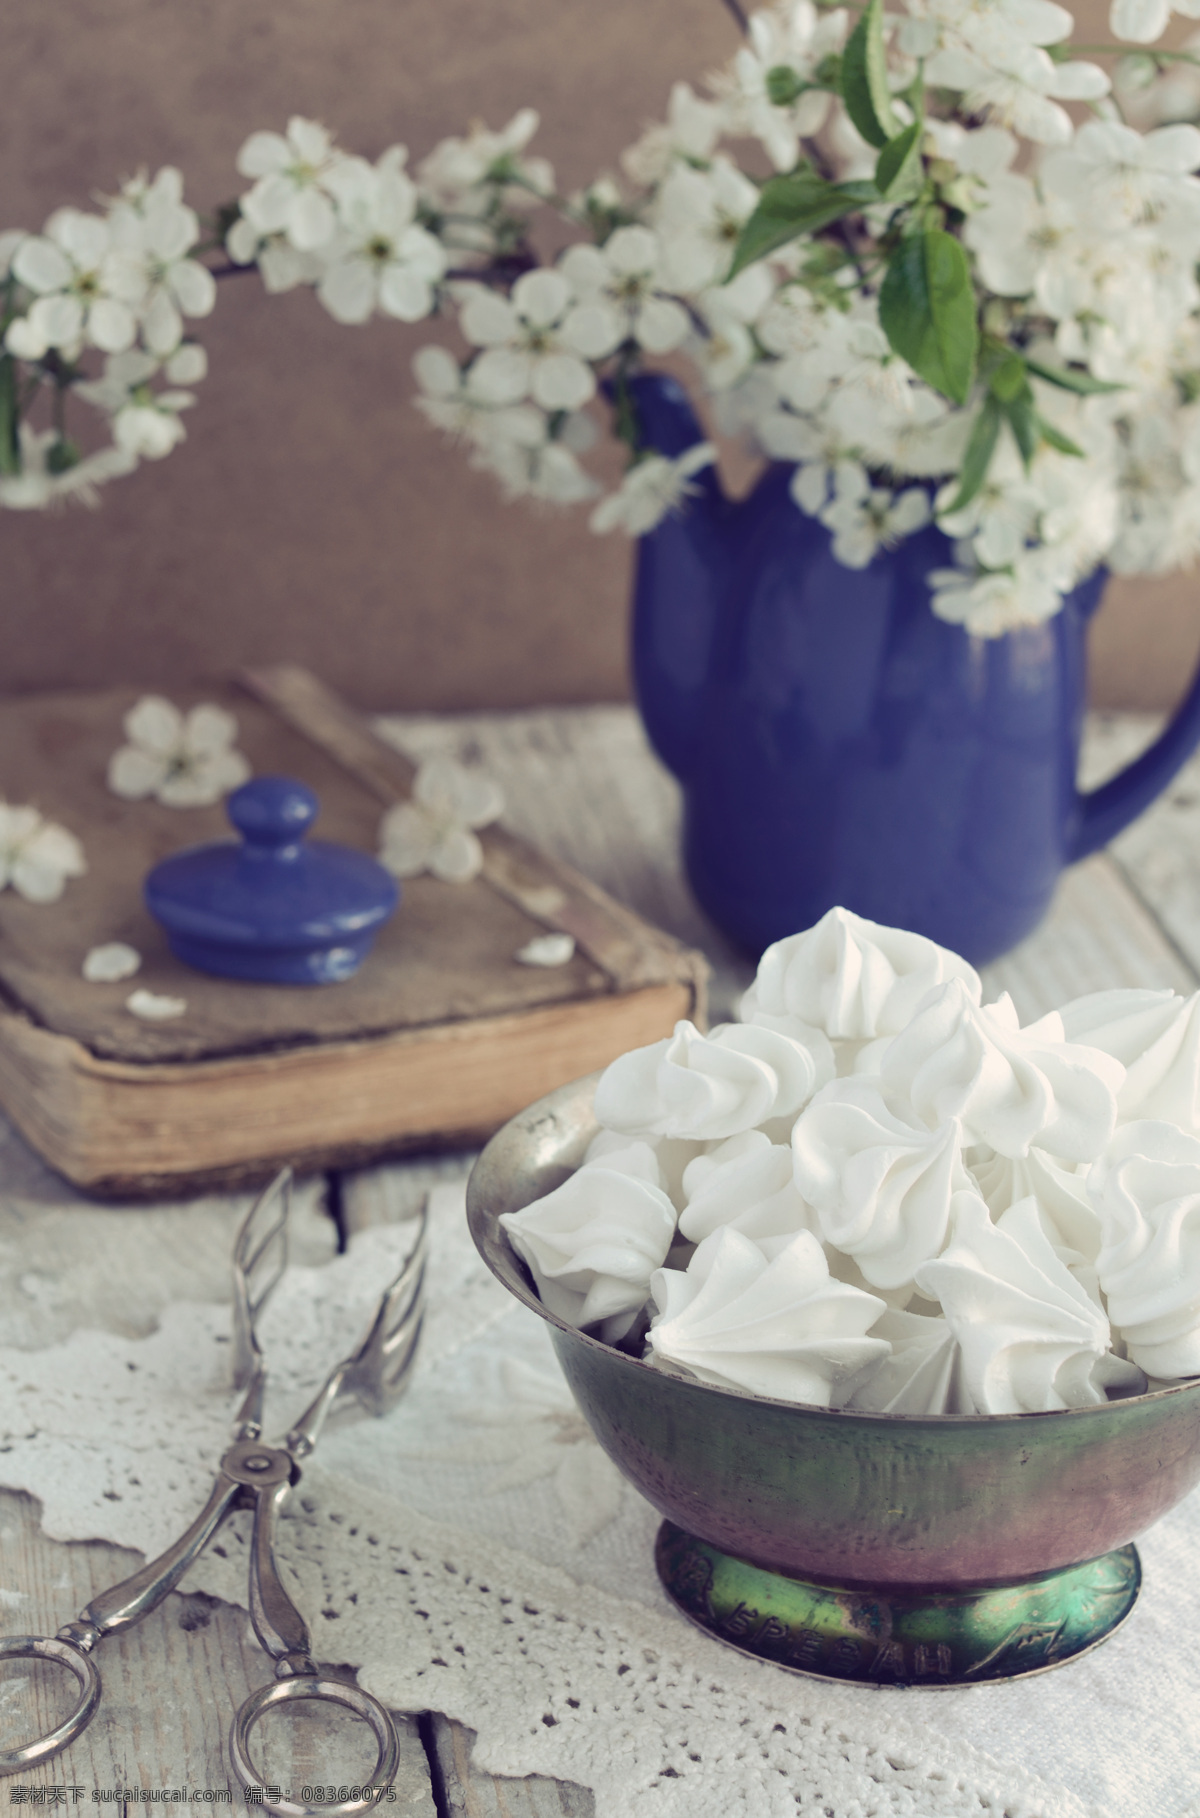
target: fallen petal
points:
(546, 950)
(114, 960)
(153, 1008)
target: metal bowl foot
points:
(898, 1635)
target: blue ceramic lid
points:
(273, 907)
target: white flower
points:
(434, 831)
(537, 343)
(1016, 83)
(988, 605)
(291, 195)
(1111, 173)
(624, 277)
(36, 856)
(10, 239)
(113, 961)
(39, 484)
(457, 172)
(381, 259)
(83, 292)
(530, 462)
(728, 350)
(699, 217)
(791, 37)
(152, 233)
(690, 132)
(1142, 21)
(450, 400)
(865, 518)
(145, 423)
(281, 265)
(184, 762)
(153, 1007)
(650, 490)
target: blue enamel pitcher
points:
(837, 743)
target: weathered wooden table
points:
(582, 784)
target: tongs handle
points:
(282, 1631)
(321, 1691)
(63, 1653)
(121, 1605)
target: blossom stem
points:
(504, 271)
(743, 22)
(10, 446)
(1062, 52)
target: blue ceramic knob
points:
(275, 908)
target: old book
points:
(437, 1040)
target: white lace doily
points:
(535, 1616)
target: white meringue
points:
(1069, 1218)
(1146, 1190)
(745, 1184)
(671, 1158)
(781, 1328)
(707, 1087)
(593, 1244)
(880, 1180)
(624, 1155)
(1011, 1087)
(1157, 1036)
(852, 978)
(921, 1375)
(1031, 1338)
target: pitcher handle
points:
(1103, 812)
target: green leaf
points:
(899, 168)
(1080, 382)
(800, 203)
(927, 311)
(1023, 421)
(1009, 378)
(978, 458)
(1056, 438)
(865, 79)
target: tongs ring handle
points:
(332, 1691)
(73, 1657)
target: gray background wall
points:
(311, 513)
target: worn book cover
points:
(438, 1039)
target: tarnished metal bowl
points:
(863, 1546)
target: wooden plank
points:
(171, 1686)
(470, 1792)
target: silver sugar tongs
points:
(261, 1477)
